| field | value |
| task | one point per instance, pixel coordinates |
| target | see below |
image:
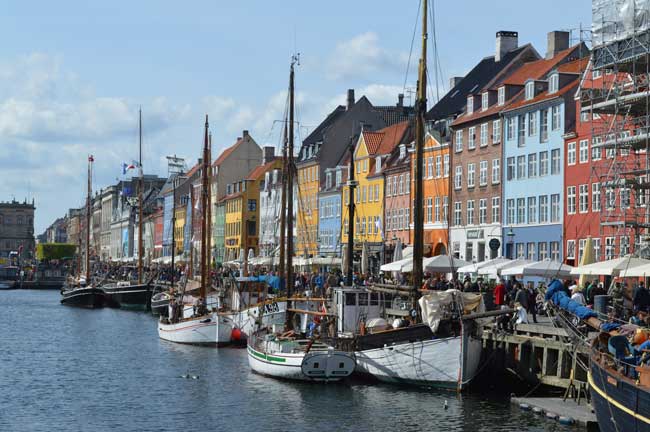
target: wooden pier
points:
(537, 353)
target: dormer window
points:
(378, 164)
(484, 101)
(402, 151)
(328, 180)
(339, 177)
(553, 83)
(530, 90)
(470, 104)
(501, 98)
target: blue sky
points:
(72, 74)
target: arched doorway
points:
(440, 249)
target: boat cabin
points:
(354, 305)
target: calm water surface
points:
(68, 369)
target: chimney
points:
(400, 100)
(245, 133)
(506, 42)
(453, 81)
(350, 98)
(556, 41)
(268, 154)
(200, 161)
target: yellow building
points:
(242, 212)
(179, 228)
(370, 154)
(307, 209)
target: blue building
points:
(329, 216)
(535, 125)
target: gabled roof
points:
(260, 170)
(543, 96)
(227, 152)
(317, 134)
(482, 74)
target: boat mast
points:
(351, 185)
(420, 112)
(204, 203)
(173, 226)
(140, 192)
(208, 210)
(290, 173)
(190, 271)
(88, 211)
(283, 206)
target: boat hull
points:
(160, 307)
(137, 297)
(246, 320)
(206, 330)
(90, 297)
(449, 363)
(620, 405)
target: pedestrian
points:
(641, 298)
(532, 301)
(500, 293)
(521, 296)
(576, 294)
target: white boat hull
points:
(205, 330)
(444, 363)
(246, 320)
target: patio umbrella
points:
(397, 255)
(397, 266)
(473, 268)
(443, 264)
(586, 258)
(610, 267)
(494, 270)
(364, 258)
(545, 268)
(344, 260)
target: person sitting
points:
(576, 295)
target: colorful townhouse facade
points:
(397, 201)
(330, 210)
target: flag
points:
(91, 158)
(126, 167)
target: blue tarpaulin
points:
(556, 294)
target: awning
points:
(611, 267)
(474, 267)
(545, 268)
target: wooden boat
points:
(129, 295)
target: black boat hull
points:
(136, 297)
(160, 307)
(620, 404)
(91, 298)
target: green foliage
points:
(50, 251)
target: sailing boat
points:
(79, 291)
(126, 293)
(441, 346)
(185, 324)
(287, 354)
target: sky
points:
(73, 75)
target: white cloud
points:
(363, 57)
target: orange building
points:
(436, 194)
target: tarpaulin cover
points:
(558, 296)
(618, 19)
(433, 304)
(609, 326)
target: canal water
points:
(69, 369)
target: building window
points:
(510, 174)
(496, 209)
(625, 245)
(496, 131)
(521, 167)
(484, 134)
(532, 210)
(571, 249)
(543, 208)
(429, 206)
(595, 197)
(555, 251)
(553, 83)
(543, 250)
(531, 251)
(470, 174)
(470, 104)
(583, 194)
(555, 208)
(496, 171)
(530, 90)
(510, 211)
(483, 173)
(596, 243)
(555, 117)
(482, 211)
(501, 97)
(459, 140)
(571, 199)
(584, 151)
(543, 128)
(609, 247)
(445, 208)
(471, 138)
(571, 153)
(610, 198)
(521, 254)
(596, 153)
(438, 166)
(445, 165)
(436, 209)
(543, 163)
(581, 248)
(555, 162)
(457, 213)
(400, 188)
(532, 123)
(521, 130)
(458, 177)
(484, 101)
(469, 251)
(510, 128)
(625, 198)
(430, 167)
(470, 212)
(532, 165)
(521, 211)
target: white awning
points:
(611, 267)
(545, 268)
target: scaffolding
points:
(615, 97)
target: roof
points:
(453, 102)
(227, 152)
(385, 140)
(260, 170)
(231, 196)
(393, 114)
(576, 66)
(544, 96)
(536, 69)
(317, 134)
